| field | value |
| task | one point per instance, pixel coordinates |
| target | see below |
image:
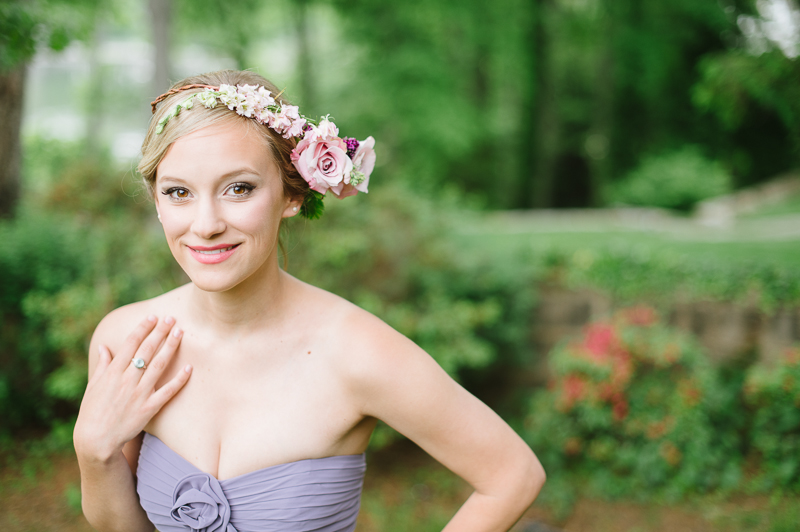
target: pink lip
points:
(214, 258)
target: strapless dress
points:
(319, 494)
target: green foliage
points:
(630, 274)
(17, 37)
(74, 255)
(676, 180)
(637, 407)
(72, 498)
(313, 206)
(774, 395)
(417, 500)
(24, 24)
(755, 99)
(737, 83)
(464, 85)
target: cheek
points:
(259, 218)
(175, 222)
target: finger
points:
(168, 391)
(134, 340)
(103, 361)
(149, 347)
(162, 359)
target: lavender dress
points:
(319, 494)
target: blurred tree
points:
(304, 59)
(235, 27)
(756, 98)
(227, 26)
(545, 119)
(25, 25)
(161, 22)
(536, 103)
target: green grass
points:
(777, 253)
(486, 237)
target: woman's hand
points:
(120, 398)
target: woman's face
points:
(220, 198)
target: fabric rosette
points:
(200, 504)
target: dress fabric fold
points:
(317, 494)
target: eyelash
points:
(246, 186)
(170, 191)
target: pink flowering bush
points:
(635, 404)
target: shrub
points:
(74, 252)
(636, 406)
(61, 274)
(676, 180)
(774, 395)
(629, 274)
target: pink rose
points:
(364, 161)
(363, 164)
(323, 164)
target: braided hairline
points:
(169, 93)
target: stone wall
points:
(727, 330)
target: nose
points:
(208, 221)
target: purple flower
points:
(200, 504)
(352, 146)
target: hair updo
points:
(155, 146)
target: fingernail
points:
(151, 318)
(177, 332)
(169, 320)
(188, 368)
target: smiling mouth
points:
(214, 251)
(213, 255)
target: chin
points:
(220, 281)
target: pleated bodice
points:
(319, 494)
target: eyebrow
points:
(223, 177)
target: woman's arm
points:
(108, 492)
(402, 385)
(118, 402)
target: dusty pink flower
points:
(323, 164)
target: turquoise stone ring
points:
(139, 363)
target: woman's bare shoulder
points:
(366, 349)
(119, 323)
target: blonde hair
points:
(155, 146)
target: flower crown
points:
(323, 159)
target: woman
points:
(245, 399)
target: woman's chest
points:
(250, 405)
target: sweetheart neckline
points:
(175, 453)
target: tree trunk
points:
(546, 138)
(94, 104)
(598, 143)
(161, 21)
(12, 90)
(304, 69)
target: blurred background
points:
(588, 211)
